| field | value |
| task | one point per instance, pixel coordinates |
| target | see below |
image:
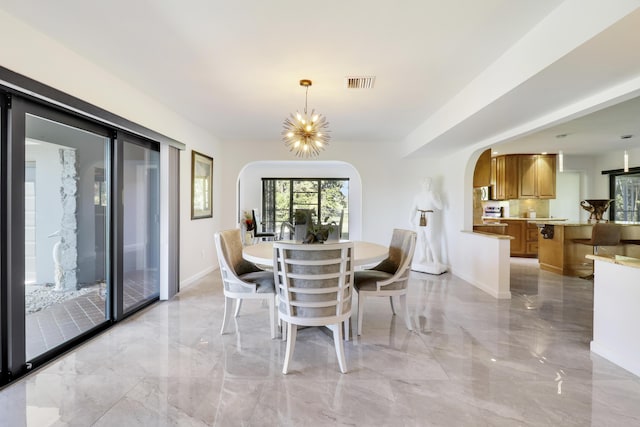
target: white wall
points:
(567, 201)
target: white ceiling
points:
(233, 67)
(590, 134)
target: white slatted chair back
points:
(314, 286)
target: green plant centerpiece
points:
(319, 233)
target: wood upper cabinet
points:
(482, 172)
(497, 178)
(547, 176)
(528, 184)
(537, 176)
(524, 176)
(511, 174)
(504, 177)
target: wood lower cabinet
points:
(525, 238)
(532, 240)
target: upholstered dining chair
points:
(314, 285)
(242, 279)
(390, 277)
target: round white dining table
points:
(364, 253)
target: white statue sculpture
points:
(425, 204)
(56, 262)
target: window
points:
(625, 191)
(327, 198)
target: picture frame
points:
(201, 185)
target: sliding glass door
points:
(140, 222)
(65, 285)
(79, 223)
(55, 192)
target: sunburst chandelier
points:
(306, 135)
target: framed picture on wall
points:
(201, 185)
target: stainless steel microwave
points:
(485, 193)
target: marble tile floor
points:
(471, 361)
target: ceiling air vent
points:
(360, 82)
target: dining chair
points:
(314, 287)
(260, 235)
(390, 277)
(242, 279)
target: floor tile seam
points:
(116, 402)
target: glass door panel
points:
(65, 243)
(141, 224)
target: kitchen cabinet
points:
(523, 176)
(537, 178)
(482, 172)
(532, 240)
(525, 237)
(547, 176)
(515, 229)
(504, 177)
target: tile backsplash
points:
(522, 207)
(517, 208)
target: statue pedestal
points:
(429, 267)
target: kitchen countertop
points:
(543, 219)
(490, 224)
(577, 224)
(617, 259)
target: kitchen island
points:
(524, 232)
(559, 254)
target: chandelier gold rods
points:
(305, 135)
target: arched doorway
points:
(249, 185)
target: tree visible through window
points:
(327, 198)
(626, 195)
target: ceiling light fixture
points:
(560, 161)
(306, 135)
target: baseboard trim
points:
(190, 280)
